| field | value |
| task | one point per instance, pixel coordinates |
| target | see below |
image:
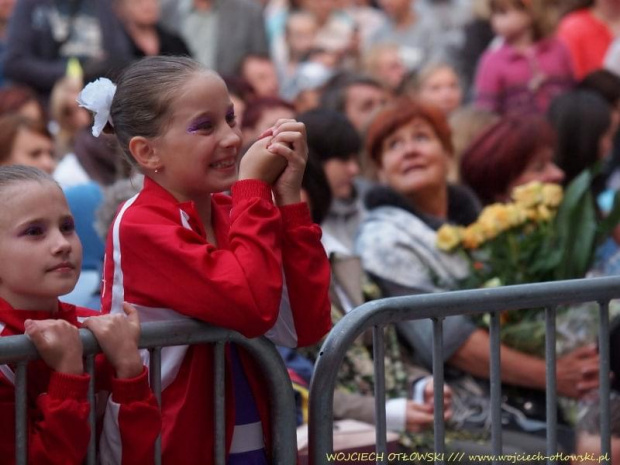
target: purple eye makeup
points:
(200, 124)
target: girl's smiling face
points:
(40, 252)
(199, 148)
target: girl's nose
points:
(232, 137)
(61, 244)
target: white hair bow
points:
(97, 97)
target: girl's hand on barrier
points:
(118, 337)
(58, 343)
(578, 371)
(260, 163)
(289, 141)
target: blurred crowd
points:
(418, 113)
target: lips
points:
(225, 163)
(410, 168)
(64, 266)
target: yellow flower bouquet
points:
(509, 242)
(543, 234)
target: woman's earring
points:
(157, 170)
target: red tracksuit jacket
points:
(58, 429)
(158, 258)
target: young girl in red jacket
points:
(251, 261)
(40, 259)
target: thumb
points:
(131, 312)
(29, 327)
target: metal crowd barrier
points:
(19, 350)
(436, 307)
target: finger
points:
(266, 133)
(281, 121)
(28, 324)
(589, 369)
(295, 141)
(586, 386)
(585, 351)
(282, 150)
(87, 322)
(423, 408)
(291, 137)
(291, 126)
(131, 312)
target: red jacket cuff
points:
(64, 385)
(131, 389)
(250, 188)
(296, 214)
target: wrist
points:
(71, 367)
(287, 198)
(129, 368)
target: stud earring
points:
(157, 170)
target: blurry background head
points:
(514, 151)
(66, 116)
(437, 84)
(384, 62)
(336, 145)
(138, 13)
(260, 72)
(20, 99)
(26, 142)
(585, 125)
(410, 146)
(262, 113)
(358, 96)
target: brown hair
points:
(144, 94)
(499, 154)
(14, 97)
(9, 127)
(398, 113)
(544, 14)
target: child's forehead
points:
(201, 88)
(29, 190)
(203, 92)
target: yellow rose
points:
(449, 237)
(473, 236)
(528, 195)
(516, 214)
(552, 195)
(495, 219)
(503, 217)
(531, 214)
(543, 213)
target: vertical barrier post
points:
(438, 380)
(551, 392)
(218, 399)
(379, 362)
(21, 424)
(605, 384)
(496, 386)
(91, 456)
(155, 381)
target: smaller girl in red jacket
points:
(40, 260)
(526, 66)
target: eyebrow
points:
(30, 221)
